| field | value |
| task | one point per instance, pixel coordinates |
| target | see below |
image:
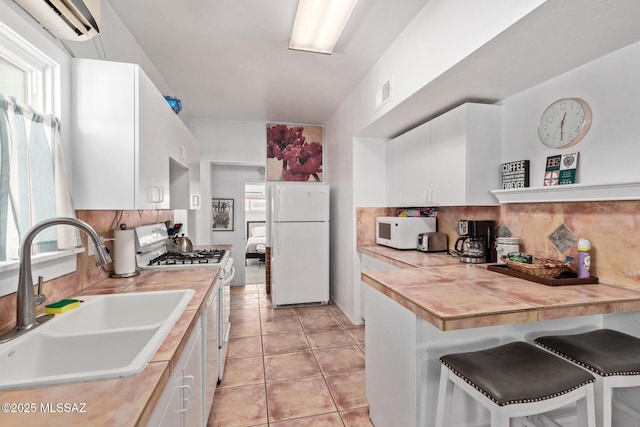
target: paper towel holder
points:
(115, 275)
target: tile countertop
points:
(127, 401)
(451, 295)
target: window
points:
(254, 205)
(33, 184)
(26, 73)
(254, 200)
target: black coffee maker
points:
(475, 244)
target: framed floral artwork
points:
(222, 214)
(294, 152)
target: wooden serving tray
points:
(565, 278)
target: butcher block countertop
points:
(451, 295)
(127, 401)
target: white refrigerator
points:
(299, 243)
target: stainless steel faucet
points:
(26, 298)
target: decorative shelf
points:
(570, 193)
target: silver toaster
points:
(433, 242)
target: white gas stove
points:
(152, 254)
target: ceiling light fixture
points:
(319, 24)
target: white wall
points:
(339, 174)
(415, 58)
(610, 151)
(226, 145)
(440, 36)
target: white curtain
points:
(33, 182)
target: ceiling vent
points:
(75, 20)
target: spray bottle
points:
(584, 259)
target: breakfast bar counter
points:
(432, 305)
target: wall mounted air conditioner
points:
(75, 20)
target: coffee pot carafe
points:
(475, 244)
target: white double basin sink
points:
(108, 336)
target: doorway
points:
(227, 222)
(255, 232)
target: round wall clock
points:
(564, 123)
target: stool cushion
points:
(603, 351)
(517, 373)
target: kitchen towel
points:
(125, 251)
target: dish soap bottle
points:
(584, 259)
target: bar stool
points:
(613, 356)
(515, 380)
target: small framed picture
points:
(222, 214)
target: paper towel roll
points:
(125, 252)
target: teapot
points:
(179, 244)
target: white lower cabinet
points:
(181, 402)
(369, 263)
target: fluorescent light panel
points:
(319, 24)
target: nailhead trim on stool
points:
(514, 374)
(604, 351)
(613, 356)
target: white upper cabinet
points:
(123, 133)
(453, 160)
(407, 164)
(466, 155)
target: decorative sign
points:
(561, 169)
(515, 174)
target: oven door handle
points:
(228, 280)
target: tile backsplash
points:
(87, 274)
(544, 229)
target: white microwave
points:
(402, 233)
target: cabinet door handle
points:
(187, 396)
(156, 194)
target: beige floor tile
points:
(243, 304)
(241, 372)
(325, 420)
(245, 328)
(245, 347)
(318, 322)
(284, 343)
(344, 321)
(244, 314)
(276, 313)
(356, 417)
(336, 337)
(298, 398)
(357, 333)
(285, 325)
(282, 367)
(245, 296)
(239, 407)
(348, 390)
(340, 360)
(265, 302)
(311, 310)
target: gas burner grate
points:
(199, 257)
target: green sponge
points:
(61, 306)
